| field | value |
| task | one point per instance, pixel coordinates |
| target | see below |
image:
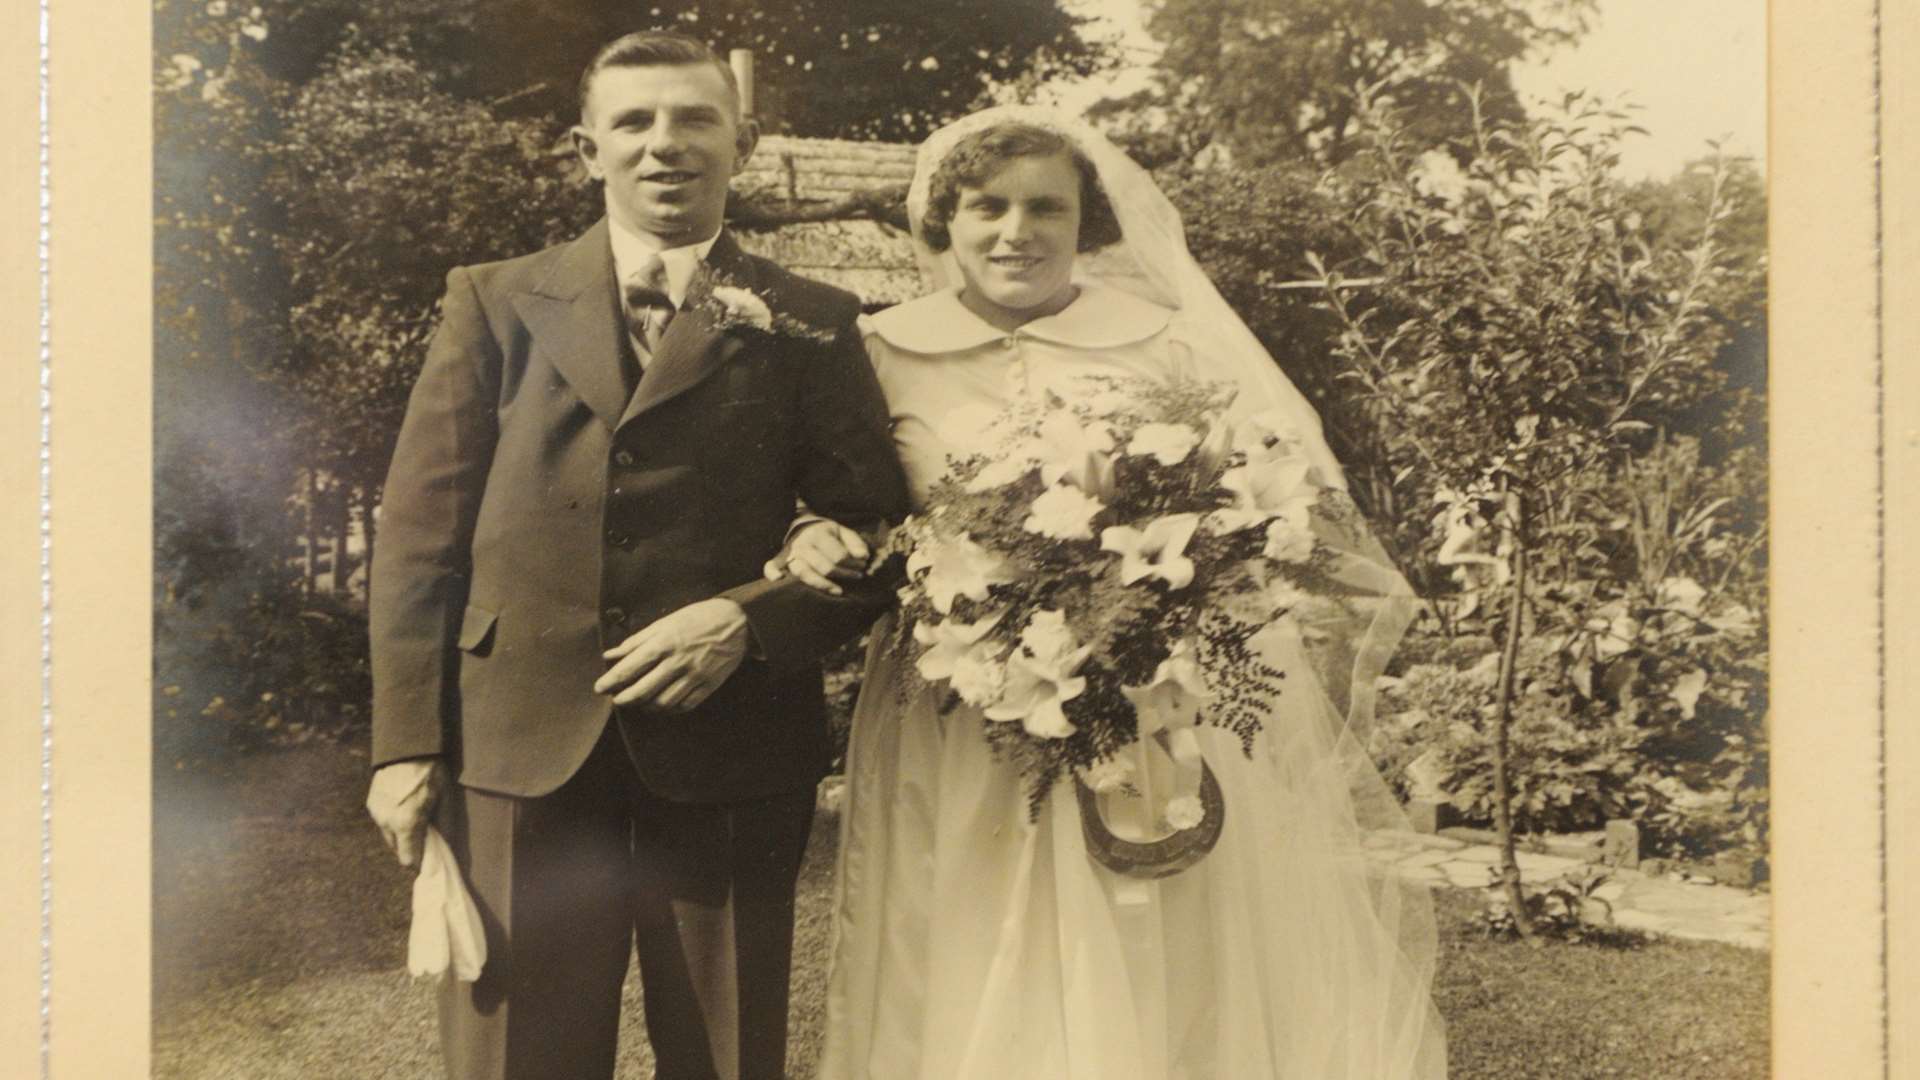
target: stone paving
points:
(1667, 906)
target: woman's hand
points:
(822, 554)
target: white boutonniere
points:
(735, 308)
(740, 307)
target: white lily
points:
(1035, 690)
(1264, 490)
(1174, 696)
(1268, 436)
(1079, 453)
(948, 642)
(957, 566)
(1159, 550)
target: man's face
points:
(666, 140)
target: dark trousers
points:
(568, 882)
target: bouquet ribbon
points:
(446, 932)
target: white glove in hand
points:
(446, 934)
(400, 799)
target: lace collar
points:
(1101, 317)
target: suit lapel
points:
(693, 347)
(575, 318)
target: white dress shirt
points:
(630, 252)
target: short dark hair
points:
(976, 157)
(654, 48)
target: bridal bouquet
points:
(1098, 575)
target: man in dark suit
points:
(579, 674)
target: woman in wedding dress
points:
(974, 939)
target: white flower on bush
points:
(1686, 691)
(1168, 444)
(1063, 513)
(956, 566)
(1614, 630)
(1159, 550)
(740, 305)
(1436, 174)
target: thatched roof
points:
(873, 259)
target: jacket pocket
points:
(476, 629)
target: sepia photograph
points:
(1050, 539)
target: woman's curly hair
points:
(977, 157)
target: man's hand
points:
(677, 662)
(822, 554)
(401, 798)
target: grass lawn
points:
(280, 936)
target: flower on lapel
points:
(739, 307)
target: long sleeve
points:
(431, 500)
(847, 471)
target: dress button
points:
(614, 617)
(623, 458)
(1009, 343)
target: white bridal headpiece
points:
(1349, 638)
(1151, 261)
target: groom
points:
(579, 675)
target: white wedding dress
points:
(974, 943)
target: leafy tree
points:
(1520, 330)
(1278, 79)
(385, 182)
(839, 68)
(871, 69)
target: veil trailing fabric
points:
(972, 941)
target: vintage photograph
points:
(1052, 539)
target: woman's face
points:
(1015, 236)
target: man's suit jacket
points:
(535, 515)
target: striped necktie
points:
(649, 309)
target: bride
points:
(975, 939)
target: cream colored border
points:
(102, 506)
(1828, 1016)
(19, 542)
(1829, 1019)
(1901, 155)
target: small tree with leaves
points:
(1520, 331)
